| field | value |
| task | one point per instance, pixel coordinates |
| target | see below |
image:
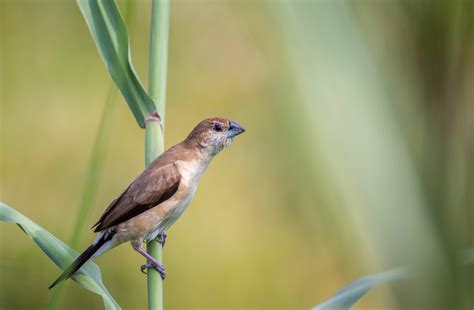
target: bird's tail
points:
(84, 257)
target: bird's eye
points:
(217, 127)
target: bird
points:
(158, 196)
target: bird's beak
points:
(234, 130)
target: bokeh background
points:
(358, 155)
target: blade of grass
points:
(154, 135)
(94, 171)
(349, 295)
(89, 276)
(111, 38)
(357, 140)
(91, 183)
(96, 164)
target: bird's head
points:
(214, 134)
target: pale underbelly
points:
(149, 224)
(169, 220)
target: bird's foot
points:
(152, 262)
(156, 265)
(161, 238)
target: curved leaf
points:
(111, 38)
(349, 295)
(88, 276)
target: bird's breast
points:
(150, 223)
(191, 170)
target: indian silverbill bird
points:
(159, 195)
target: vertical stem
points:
(91, 184)
(154, 135)
(159, 55)
(154, 146)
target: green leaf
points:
(91, 182)
(111, 38)
(349, 295)
(88, 276)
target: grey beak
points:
(234, 129)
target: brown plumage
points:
(158, 196)
(153, 186)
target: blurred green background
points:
(358, 155)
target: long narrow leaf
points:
(349, 295)
(91, 182)
(88, 277)
(111, 38)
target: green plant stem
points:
(91, 184)
(95, 168)
(159, 55)
(153, 147)
(154, 135)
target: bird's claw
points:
(160, 268)
(161, 238)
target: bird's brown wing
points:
(148, 190)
